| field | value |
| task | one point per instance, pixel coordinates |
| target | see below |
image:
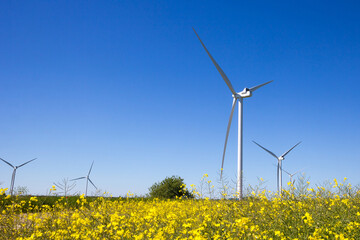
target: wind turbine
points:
(291, 175)
(279, 165)
(237, 98)
(14, 173)
(87, 179)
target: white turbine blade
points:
(13, 177)
(286, 171)
(227, 134)
(290, 149)
(12, 181)
(297, 171)
(259, 86)
(92, 183)
(91, 168)
(7, 163)
(26, 162)
(223, 75)
(273, 154)
(282, 169)
(77, 178)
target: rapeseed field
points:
(315, 214)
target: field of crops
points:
(316, 214)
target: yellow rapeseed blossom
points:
(324, 215)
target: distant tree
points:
(65, 186)
(170, 187)
(21, 191)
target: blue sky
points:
(128, 85)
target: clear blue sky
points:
(128, 85)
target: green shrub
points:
(170, 187)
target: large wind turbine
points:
(87, 179)
(14, 172)
(279, 165)
(237, 98)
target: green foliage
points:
(170, 187)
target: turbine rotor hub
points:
(236, 96)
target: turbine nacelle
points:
(281, 158)
(245, 93)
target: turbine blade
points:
(91, 168)
(13, 181)
(282, 169)
(77, 178)
(26, 162)
(285, 171)
(273, 154)
(227, 134)
(298, 171)
(259, 86)
(223, 75)
(92, 183)
(290, 149)
(7, 163)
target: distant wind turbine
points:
(279, 165)
(87, 179)
(291, 175)
(237, 98)
(14, 173)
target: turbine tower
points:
(237, 98)
(14, 173)
(87, 179)
(279, 165)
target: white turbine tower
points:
(279, 165)
(87, 179)
(237, 98)
(14, 173)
